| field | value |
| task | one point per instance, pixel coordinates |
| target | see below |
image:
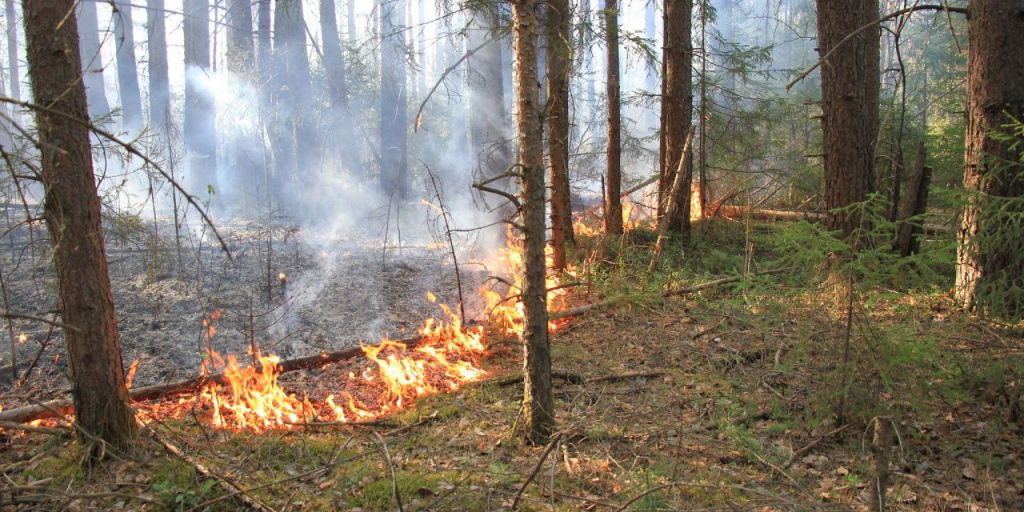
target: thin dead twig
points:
(536, 469)
(812, 444)
(391, 470)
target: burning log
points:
(52, 408)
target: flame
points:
(22, 338)
(635, 214)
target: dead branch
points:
(391, 471)
(536, 469)
(19, 316)
(64, 407)
(444, 75)
(812, 444)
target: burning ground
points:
(702, 400)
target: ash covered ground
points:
(338, 291)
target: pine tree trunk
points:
(485, 87)
(159, 77)
(334, 63)
(200, 128)
(990, 269)
(14, 73)
(92, 62)
(613, 180)
(676, 111)
(394, 173)
(72, 210)
(538, 399)
(557, 28)
(127, 71)
(263, 40)
(350, 19)
(240, 52)
(849, 102)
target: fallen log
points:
(735, 212)
(65, 407)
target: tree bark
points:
(613, 179)
(394, 172)
(92, 62)
(159, 77)
(127, 71)
(200, 129)
(538, 398)
(559, 59)
(72, 211)
(676, 111)
(849, 102)
(990, 269)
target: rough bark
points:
(676, 110)
(990, 269)
(72, 211)
(341, 120)
(127, 71)
(914, 204)
(849, 102)
(92, 62)
(538, 398)
(14, 73)
(159, 78)
(200, 128)
(559, 59)
(613, 177)
(394, 173)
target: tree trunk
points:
(914, 204)
(538, 399)
(92, 62)
(240, 52)
(72, 210)
(127, 71)
(334, 63)
(394, 173)
(14, 73)
(613, 180)
(159, 77)
(557, 28)
(676, 111)
(849, 102)
(990, 269)
(263, 40)
(485, 86)
(350, 19)
(200, 129)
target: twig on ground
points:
(391, 471)
(812, 444)
(536, 469)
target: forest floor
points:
(726, 399)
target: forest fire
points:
(635, 215)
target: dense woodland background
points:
(811, 210)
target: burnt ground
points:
(721, 400)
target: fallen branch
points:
(734, 212)
(812, 444)
(64, 407)
(536, 469)
(586, 308)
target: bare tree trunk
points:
(159, 78)
(72, 210)
(849, 102)
(394, 173)
(538, 399)
(127, 71)
(676, 111)
(613, 180)
(14, 73)
(240, 53)
(341, 120)
(557, 27)
(263, 40)
(200, 127)
(485, 85)
(92, 62)
(990, 269)
(915, 203)
(350, 19)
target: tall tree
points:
(850, 85)
(485, 88)
(242, 147)
(263, 41)
(394, 172)
(613, 178)
(14, 74)
(127, 71)
(159, 77)
(538, 399)
(676, 112)
(294, 138)
(350, 19)
(72, 211)
(240, 52)
(557, 28)
(990, 269)
(200, 128)
(341, 120)
(92, 61)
